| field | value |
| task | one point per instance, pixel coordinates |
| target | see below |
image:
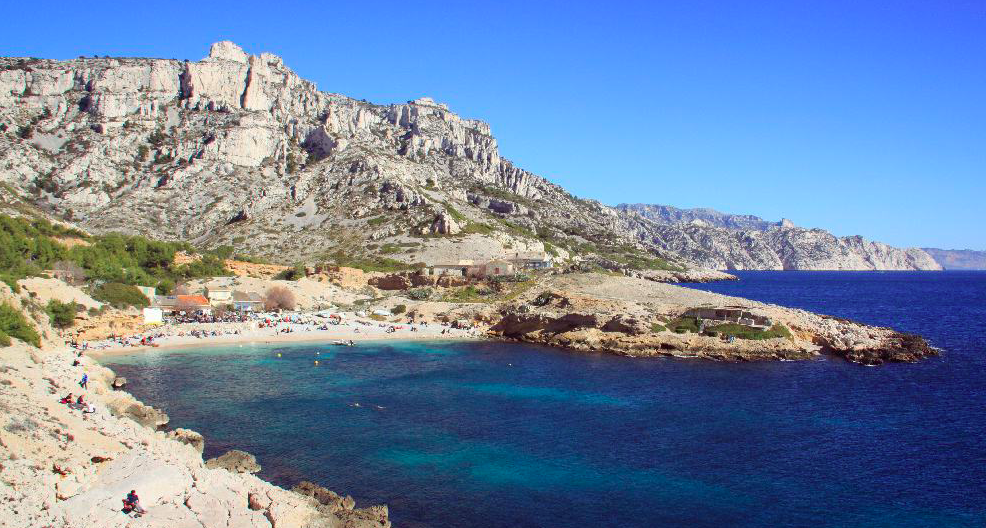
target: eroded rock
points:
(235, 461)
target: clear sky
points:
(861, 117)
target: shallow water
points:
(493, 434)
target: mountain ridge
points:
(239, 150)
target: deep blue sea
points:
(507, 435)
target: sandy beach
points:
(305, 327)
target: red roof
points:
(192, 300)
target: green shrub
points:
(4, 339)
(477, 229)
(165, 287)
(683, 325)
(748, 332)
(399, 309)
(419, 294)
(657, 327)
(14, 324)
(62, 314)
(120, 295)
(296, 273)
(377, 221)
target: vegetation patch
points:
(375, 263)
(683, 325)
(62, 315)
(292, 274)
(14, 324)
(120, 295)
(657, 328)
(748, 332)
(476, 228)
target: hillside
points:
(237, 150)
(727, 241)
(958, 259)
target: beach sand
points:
(248, 333)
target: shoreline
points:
(72, 468)
(179, 336)
(270, 340)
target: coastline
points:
(237, 334)
(70, 468)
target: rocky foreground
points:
(61, 467)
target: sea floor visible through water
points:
(498, 434)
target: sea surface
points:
(509, 435)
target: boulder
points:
(325, 497)
(372, 517)
(119, 382)
(143, 414)
(391, 282)
(235, 461)
(626, 325)
(444, 224)
(189, 437)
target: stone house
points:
(498, 267)
(218, 295)
(531, 261)
(731, 315)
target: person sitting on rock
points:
(80, 402)
(132, 504)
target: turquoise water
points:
(494, 434)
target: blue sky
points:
(861, 117)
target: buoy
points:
(316, 362)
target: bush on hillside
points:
(296, 273)
(14, 324)
(120, 295)
(399, 309)
(279, 298)
(419, 294)
(62, 315)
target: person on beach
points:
(67, 399)
(132, 504)
(90, 409)
(84, 383)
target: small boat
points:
(343, 343)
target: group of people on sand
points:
(79, 403)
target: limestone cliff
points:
(958, 259)
(237, 149)
(724, 241)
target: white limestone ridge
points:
(238, 149)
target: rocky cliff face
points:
(958, 259)
(723, 241)
(238, 150)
